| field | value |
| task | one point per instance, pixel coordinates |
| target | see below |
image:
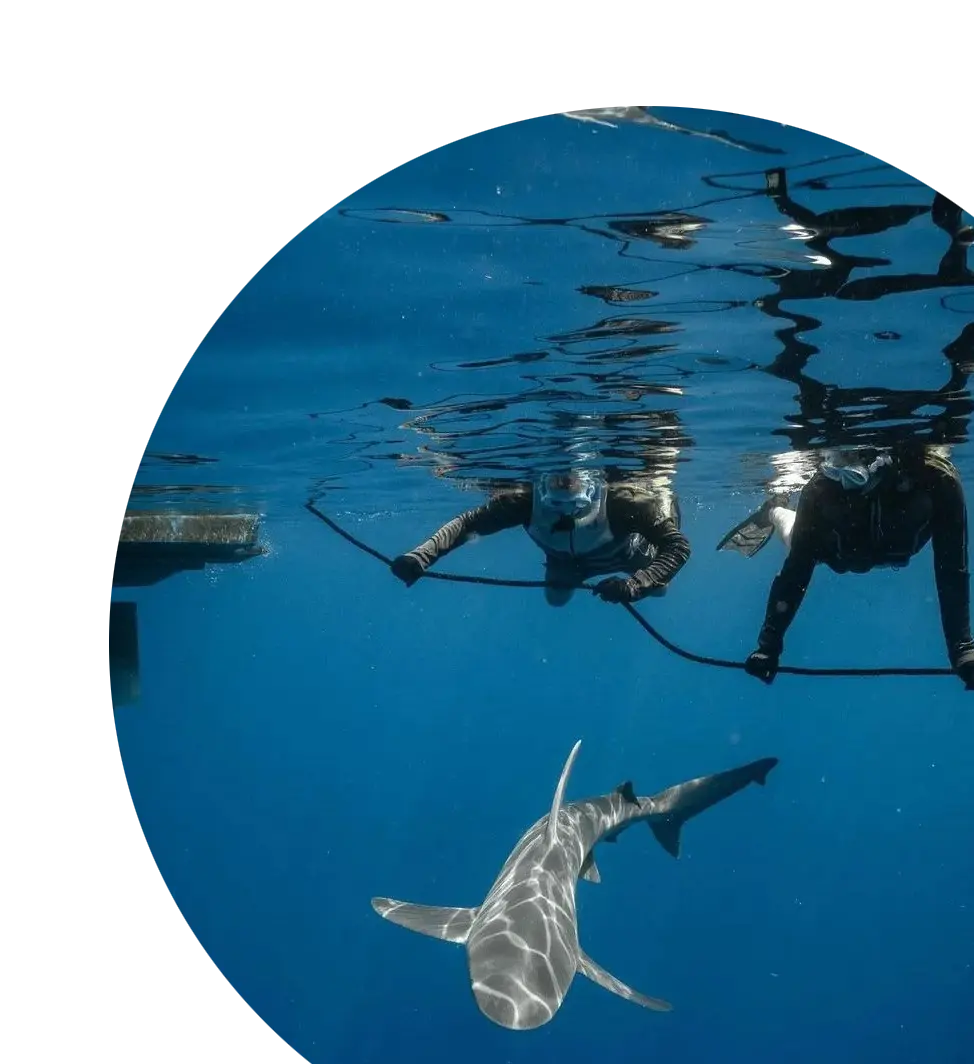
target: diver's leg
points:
(560, 581)
(783, 520)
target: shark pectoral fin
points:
(551, 830)
(667, 834)
(437, 921)
(589, 968)
(590, 870)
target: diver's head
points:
(569, 493)
(857, 468)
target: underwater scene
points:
(605, 470)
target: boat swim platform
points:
(155, 544)
(123, 653)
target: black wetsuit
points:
(852, 531)
(628, 510)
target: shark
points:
(522, 941)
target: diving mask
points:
(857, 476)
(570, 494)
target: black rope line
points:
(689, 655)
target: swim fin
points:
(754, 531)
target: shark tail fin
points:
(676, 805)
(437, 921)
(762, 768)
(551, 831)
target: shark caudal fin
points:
(676, 805)
(551, 830)
(437, 921)
(762, 768)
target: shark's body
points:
(522, 942)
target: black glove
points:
(763, 665)
(964, 667)
(408, 568)
(617, 589)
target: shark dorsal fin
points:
(628, 794)
(551, 831)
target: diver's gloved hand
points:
(964, 667)
(763, 665)
(408, 568)
(617, 589)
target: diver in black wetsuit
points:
(860, 511)
(586, 527)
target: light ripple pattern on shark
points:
(522, 941)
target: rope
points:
(689, 655)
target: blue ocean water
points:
(726, 292)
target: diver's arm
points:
(672, 552)
(631, 511)
(503, 511)
(789, 586)
(949, 536)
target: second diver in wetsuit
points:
(859, 511)
(586, 527)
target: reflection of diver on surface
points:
(953, 270)
(491, 441)
(586, 524)
(669, 230)
(866, 508)
(817, 230)
(832, 416)
(831, 270)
